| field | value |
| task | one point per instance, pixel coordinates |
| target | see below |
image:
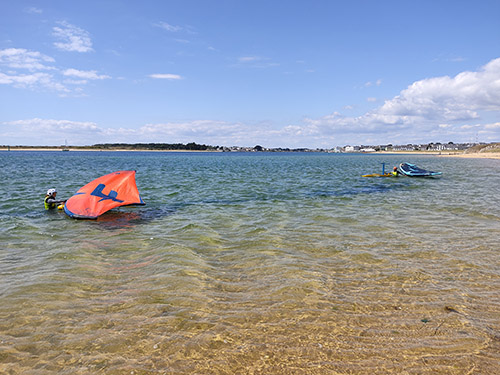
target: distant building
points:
(351, 148)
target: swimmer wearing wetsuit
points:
(50, 200)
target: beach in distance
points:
(476, 155)
(460, 154)
(252, 263)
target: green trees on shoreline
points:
(126, 146)
(154, 146)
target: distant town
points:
(450, 146)
(430, 147)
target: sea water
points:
(251, 263)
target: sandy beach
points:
(473, 155)
(477, 155)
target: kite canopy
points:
(104, 193)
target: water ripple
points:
(251, 263)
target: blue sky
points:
(273, 73)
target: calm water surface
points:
(251, 264)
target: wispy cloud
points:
(256, 62)
(449, 58)
(85, 74)
(33, 10)
(72, 38)
(32, 81)
(26, 69)
(39, 66)
(186, 29)
(378, 82)
(168, 27)
(249, 59)
(167, 76)
(20, 58)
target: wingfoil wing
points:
(103, 194)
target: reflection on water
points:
(263, 264)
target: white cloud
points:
(53, 126)
(33, 10)
(423, 107)
(378, 82)
(38, 131)
(44, 131)
(72, 38)
(209, 132)
(36, 63)
(245, 59)
(186, 29)
(78, 82)
(171, 77)
(469, 126)
(221, 133)
(20, 58)
(256, 62)
(42, 72)
(168, 27)
(85, 74)
(456, 98)
(494, 126)
(32, 81)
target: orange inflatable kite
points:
(104, 193)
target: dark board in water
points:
(412, 170)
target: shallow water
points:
(251, 263)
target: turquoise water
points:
(251, 263)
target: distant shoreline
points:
(95, 149)
(474, 155)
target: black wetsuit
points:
(50, 202)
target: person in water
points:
(50, 200)
(395, 172)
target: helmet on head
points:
(51, 191)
